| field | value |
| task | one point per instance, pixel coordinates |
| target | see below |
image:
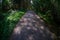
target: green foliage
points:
(9, 22)
(47, 17)
(43, 7)
(6, 5)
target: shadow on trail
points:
(31, 27)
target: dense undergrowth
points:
(9, 21)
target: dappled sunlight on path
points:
(31, 27)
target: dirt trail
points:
(31, 27)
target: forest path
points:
(31, 27)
